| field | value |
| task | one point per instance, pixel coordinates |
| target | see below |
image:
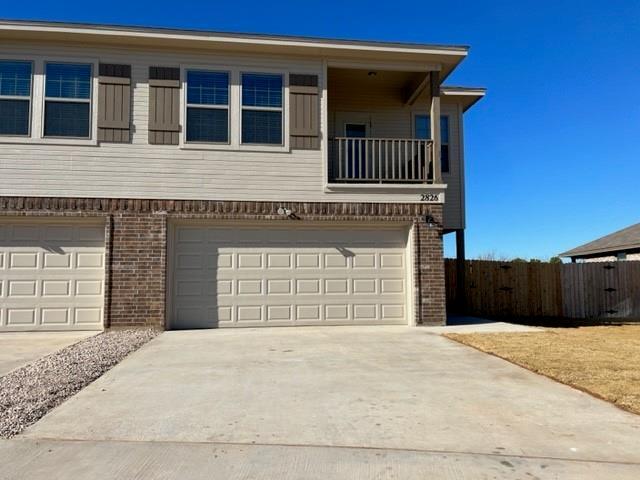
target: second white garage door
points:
(282, 276)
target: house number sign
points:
(429, 197)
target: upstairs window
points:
(15, 97)
(67, 106)
(423, 130)
(207, 107)
(262, 111)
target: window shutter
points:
(114, 103)
(304, 116)
(164, 105)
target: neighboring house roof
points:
(622, 240)
(449, 56)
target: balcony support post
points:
(434, 114)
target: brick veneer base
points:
(136, 244)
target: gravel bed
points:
(28, 393)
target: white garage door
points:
(51, 276)
(276, 276)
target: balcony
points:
(380, 161)
(377, 129)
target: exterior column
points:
(430, 295)
(434, 115)
(461, 300)
(137, 270)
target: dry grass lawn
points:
(603, 361)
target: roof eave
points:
(139, 34)
(468, 96)
(575, 253)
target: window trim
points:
(46, 99)
(186, 104)
(442, 144)
(263, 109)
(17, 97)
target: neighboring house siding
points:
(610, 258)
(392, 118)
(138, 169)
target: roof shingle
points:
(625, 239)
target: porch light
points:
(430, 221)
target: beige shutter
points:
(304, 112)
(114, 103)
(164, 105)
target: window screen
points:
(207, 107)
(67, 108)
(262, 110)
(15, 97)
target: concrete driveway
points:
(343, 402)
(21, 348)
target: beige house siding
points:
(141, 170)
(610, 258)
(381, 105)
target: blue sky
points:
(552, 152)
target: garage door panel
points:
(279, 287)
(51, 276)
(21, 316)
(56, 260)
(279, 260)
(56, 316)
(23, 260)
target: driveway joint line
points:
(345, 447)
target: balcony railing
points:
(380, 160)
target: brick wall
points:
(137, 270)
(429, 285)
(136, 244)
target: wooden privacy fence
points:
(602, 290)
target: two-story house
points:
(187, 179)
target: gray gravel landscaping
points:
(28, 393)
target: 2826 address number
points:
(429, 197)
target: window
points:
(207, 107)
(262, 109)
(67, 106)
(15, 97)
(423, 130)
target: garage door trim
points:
(405, 227)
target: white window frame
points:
(442, 143)
(37, 101)
(226, 107)
(235, 105)
(262, 109)
(46, 99)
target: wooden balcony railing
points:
(380, 160)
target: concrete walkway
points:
(21, 348)
(343, 402)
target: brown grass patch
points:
(603, 361)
